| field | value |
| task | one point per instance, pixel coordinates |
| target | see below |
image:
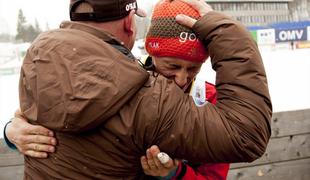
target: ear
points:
(129, 23)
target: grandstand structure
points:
(263, 12)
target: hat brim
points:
(140, 12)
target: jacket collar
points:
(105, 36)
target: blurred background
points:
(281, 29)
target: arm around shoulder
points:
(237, 128)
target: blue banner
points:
(308, 33)
(286, 35)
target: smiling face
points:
(180, 70)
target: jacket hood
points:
(73, 79)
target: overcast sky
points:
(45, 11)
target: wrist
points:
(182, 168)
(171, 175)
(7, 141)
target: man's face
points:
(180, 70)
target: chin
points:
(130, 45)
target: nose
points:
(181, 78)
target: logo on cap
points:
(154, 45)
(131, 6)
(185, 36)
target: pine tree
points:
(21, 22)
(31, 34)
(26, 32)
(47, 26)
(37, 27)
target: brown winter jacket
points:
(106, 110)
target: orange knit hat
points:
(167, 38)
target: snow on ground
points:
(288, 73)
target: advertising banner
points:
(265, 36)
(287, 35)
(308, 33)
(254, 35)
(303, 45)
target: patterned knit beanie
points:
(167, 38)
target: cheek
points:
(166, 72)
(192, 75)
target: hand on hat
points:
(199, 5)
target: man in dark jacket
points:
(81, 82)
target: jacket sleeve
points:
(6, 140)
(203, 172)
(216, 171)
(237, 128)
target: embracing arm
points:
(237, 128)
(31, 140)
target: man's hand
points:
(31, 140)
(199, 5)
(153, 167)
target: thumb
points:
(169, 164)
(176, 162)
(185, 20)
(19, 114)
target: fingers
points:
(35, 139)
(36, 150)
(27, 128)
(154, 150)
(185, 20)
(29, 145)
(32, 140)
(40, 147)
(148, 165)
(27, 132)
(163, 157)
(39, 130)
(169, 164)
(152, 165)
(144, 164)
(35, 154)
(199, 5)
(151, 161)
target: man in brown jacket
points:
(81, 82)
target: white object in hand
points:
(163, 157)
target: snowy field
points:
(288, 74)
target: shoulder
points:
(161, 95)
(159, 91)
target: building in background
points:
(274, 24)
(263, 12)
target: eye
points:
(193, 69)
(174, 66)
